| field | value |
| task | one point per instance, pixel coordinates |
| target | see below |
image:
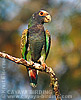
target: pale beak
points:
(47, 18)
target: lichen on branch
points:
(37, 66)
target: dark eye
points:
(41, 13)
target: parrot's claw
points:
(31, 62)
(44, 66)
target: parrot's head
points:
(40, 17)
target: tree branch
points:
(54, 80)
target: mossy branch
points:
(54, 80)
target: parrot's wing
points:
(24, 43)
(48, 43)
(46, 47)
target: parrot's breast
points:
(36, 41)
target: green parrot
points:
(35, 42)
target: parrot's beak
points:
(47, 18)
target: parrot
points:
(35, 43)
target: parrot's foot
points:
(31, 62)
(44, 66)
(41, 60)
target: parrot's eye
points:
(41, 13)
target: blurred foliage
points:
(65, 29)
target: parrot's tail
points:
(33, 76)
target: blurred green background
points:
(65, 52)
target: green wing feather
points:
(46, 47)
(48, 43)
(24, 46)
(23, 42)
